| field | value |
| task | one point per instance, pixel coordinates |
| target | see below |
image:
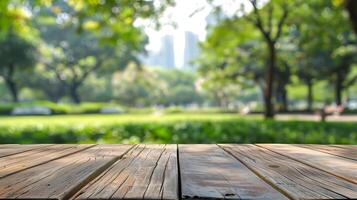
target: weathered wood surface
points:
(295, 179)
(342, 167)
(227, 171)
(209, 172)
(21, 161)
(344, 152)
(60, 178)
(146, 172)
(11, 149)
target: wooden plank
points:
(347, 146)
(208, 172)
(21, 161)
(11, 149)
(295, 179)
(145, 172)
(334, 150)
(341, 167)
(61, 178)
(7, 145)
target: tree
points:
(137, 86)
(46, 81)
(226, 63)
(112, 23)
(232, 44)
(179, 87)
(271, 30)
(351, 6)
(346, 57)
(74, 57)
(93, 37)
(342, 50)
(16, 53)
(283, 78)
(323, 57)
(311, 59)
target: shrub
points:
(183, 131)
(58, 109)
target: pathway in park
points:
(311, 117)
(202, 171)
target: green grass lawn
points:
(100, 119)
(171, 128)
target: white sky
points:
(188, 15)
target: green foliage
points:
(114, 21)
(77, 38)
(86, 45)
(180, 87)
(141, 86)
(137, 87)
(16, 54)
(60, 108)
(185, 128)
(16, 51)
(316, 44)
(14, 17)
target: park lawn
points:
(102, 119)
(171, 128)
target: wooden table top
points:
(188, 171)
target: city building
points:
(190, 50)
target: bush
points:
(194, 131)
(57, 109)
(350, 111)
(5, 109)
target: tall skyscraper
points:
(191, 49)
(166, 55)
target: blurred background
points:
(177, 71)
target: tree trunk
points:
(269, 107)
(351, 6)
(54, 96)
(339, 87)
(309, 94)
(281, 94)
(11, 85)
(74, 93)
(284, 99)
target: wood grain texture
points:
(349, 147)
(348, 153)
(21, 161)
(297, 180)
(61, 178)
(11, 149)
(342, 167)
(208, 172)
(145, 172)
(262, 171)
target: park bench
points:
(329, 110)
(188, 171)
